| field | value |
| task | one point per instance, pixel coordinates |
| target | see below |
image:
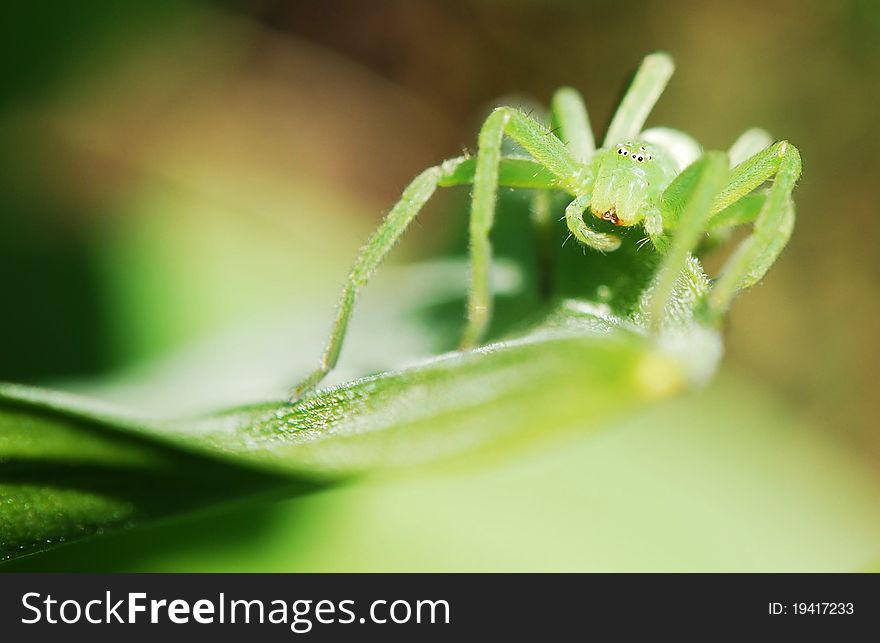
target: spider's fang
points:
(611, 216)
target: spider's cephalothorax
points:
(629, 179)
(658, 178)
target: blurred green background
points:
(183, 185)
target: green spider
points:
(657, 178)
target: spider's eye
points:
(641, 158)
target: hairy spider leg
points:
(545, 148)
(644, 91)
(746, 210)
(377, 247)
(573, 123)
(551, 167)
(574, 219)
(734, 203)
(772, 227)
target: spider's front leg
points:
(574, 219)
(553, 168)
(392, 227)
(551, 154)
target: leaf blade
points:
(68, 470)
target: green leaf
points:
(67, 472)
(70, 469)
(730, 479)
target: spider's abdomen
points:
(628, 178)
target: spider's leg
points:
(745, 210)
(772, 225)
(685, 150)
(722, 224)
(546, 149)
(574, 218)
(389, 231)
(653, 225)
(640, 98)
(570, 115)
(513, 172)
(517, 172)
(741, 212)
(752, 172)
(704, 180)
(572, 125)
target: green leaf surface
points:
(726, 479)
(71, 469)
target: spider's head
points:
(628, 177)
